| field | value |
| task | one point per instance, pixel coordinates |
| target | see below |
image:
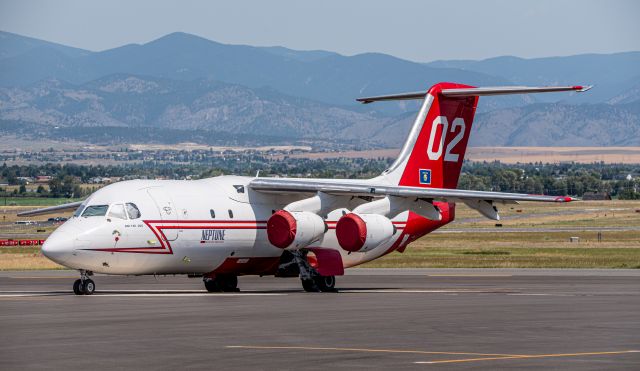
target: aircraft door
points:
(167, 210)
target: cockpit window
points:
(117, 211)
(95, 210)
(132, 210)
(79, 210)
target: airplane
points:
(227, 226)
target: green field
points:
(35, 201)
(518, 250)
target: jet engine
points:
(363, 232)
(294, 229)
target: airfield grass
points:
(18, 261)
(460, 245)
(518, 250)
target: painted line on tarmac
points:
(539, 294)
(418, 291)
(366, 350)
(133, 293)
(177, 293)
(42, 277)
(204, 294)
(469, 275)
(532, 356)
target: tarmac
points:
(437, 319)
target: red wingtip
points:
(578, 87)
(564, 199)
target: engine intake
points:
(294, 229)
(363, 232)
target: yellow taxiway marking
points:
(365, 350)
(531, 356)
(481, 356)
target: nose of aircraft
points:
(59, 245)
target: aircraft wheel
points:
(77, 287)
(326, 283)
(211, 285)
(310, 286)
(89, 287)
(228, 283)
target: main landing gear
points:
(312, 281)
(319, 284)
(84, 285)
(221, 283)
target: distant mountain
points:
(555, 124)
(12, 45)
(203, 106)
(318, 75)
(184, 87)
(611, 74)
(130, 109)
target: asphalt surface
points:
(381, 319)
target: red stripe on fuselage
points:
(158, 226)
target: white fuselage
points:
(185, 227)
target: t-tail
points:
(433, 153)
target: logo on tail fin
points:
(425, 176)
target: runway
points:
(381, 319)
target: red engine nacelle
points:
(294, 229)
(363, 232)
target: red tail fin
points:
(433, 154)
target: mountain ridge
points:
(189, 83)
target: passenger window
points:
(95, 210)
(213, 213)
(132, 210)
(230, 214)
(117, 211)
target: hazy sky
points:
(415, 30)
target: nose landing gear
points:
(84, 285)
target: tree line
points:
(619, 180)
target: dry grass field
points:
(471, 241)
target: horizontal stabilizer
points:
(476, 92)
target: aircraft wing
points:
(363, 188)
(52, 209)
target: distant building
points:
(43, 179)
(99, 180)
(596, 196)
(25, 179)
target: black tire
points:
(228, 283)
(89, 287)
(77, 287)
(310, 286)
(325, 283)
(211, 285)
